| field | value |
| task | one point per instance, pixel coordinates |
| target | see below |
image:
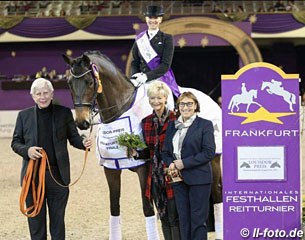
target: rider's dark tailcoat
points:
(162, 43)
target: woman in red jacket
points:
(154, 127)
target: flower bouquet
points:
(131, 141)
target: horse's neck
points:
(115, 99)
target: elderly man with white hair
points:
(47, 126)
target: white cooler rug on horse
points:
(108, 151)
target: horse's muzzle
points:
(84, 125)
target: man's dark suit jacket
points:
(162, 43)
(198, 150)
(64, 128)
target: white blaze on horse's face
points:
(187, 108)
(158, 102)
(43, 97)
(153, 22)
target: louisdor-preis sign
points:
(261, 153)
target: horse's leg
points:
(233, 105)
(216, 191)
(248, 105)
(216, 195)
(257, 103)
(288, 100)
(114, 183)
(290, 106)
(147, 204)
(148, 208)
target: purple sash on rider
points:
(168, 77)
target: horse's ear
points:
(87, 61)
(67, 59)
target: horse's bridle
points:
(93, 112)
(91, 70)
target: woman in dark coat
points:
(189, 147)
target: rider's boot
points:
(218, 215)
(151, 228)
(115, 232)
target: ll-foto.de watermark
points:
(271, 233)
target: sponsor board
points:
(261, 150)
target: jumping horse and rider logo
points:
(273, 88)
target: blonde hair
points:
(158, 87)
(40, 83)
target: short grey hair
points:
(40, 83)
(158, 86)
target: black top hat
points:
(154, 11)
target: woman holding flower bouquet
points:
(154, 127)
(189, 147)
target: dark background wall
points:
(195, 67)
(31, 57)
(201, 68)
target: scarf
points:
(158, 167)
(178, 138)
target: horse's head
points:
(83, 85)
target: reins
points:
(38, 191)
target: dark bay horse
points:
(95, 79)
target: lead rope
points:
(29, 179)
(39, 192)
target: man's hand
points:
(87, 142)
(34, 153)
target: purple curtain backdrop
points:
(113, 26)
(124, 25)
(42, 27)
(275, 23)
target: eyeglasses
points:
(188, 104)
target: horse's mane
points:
(98, 54)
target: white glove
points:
(138, 79)
(136, 75)
(134, 80)
(142, 78)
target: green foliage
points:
(131, 140)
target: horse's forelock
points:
(78, 66)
